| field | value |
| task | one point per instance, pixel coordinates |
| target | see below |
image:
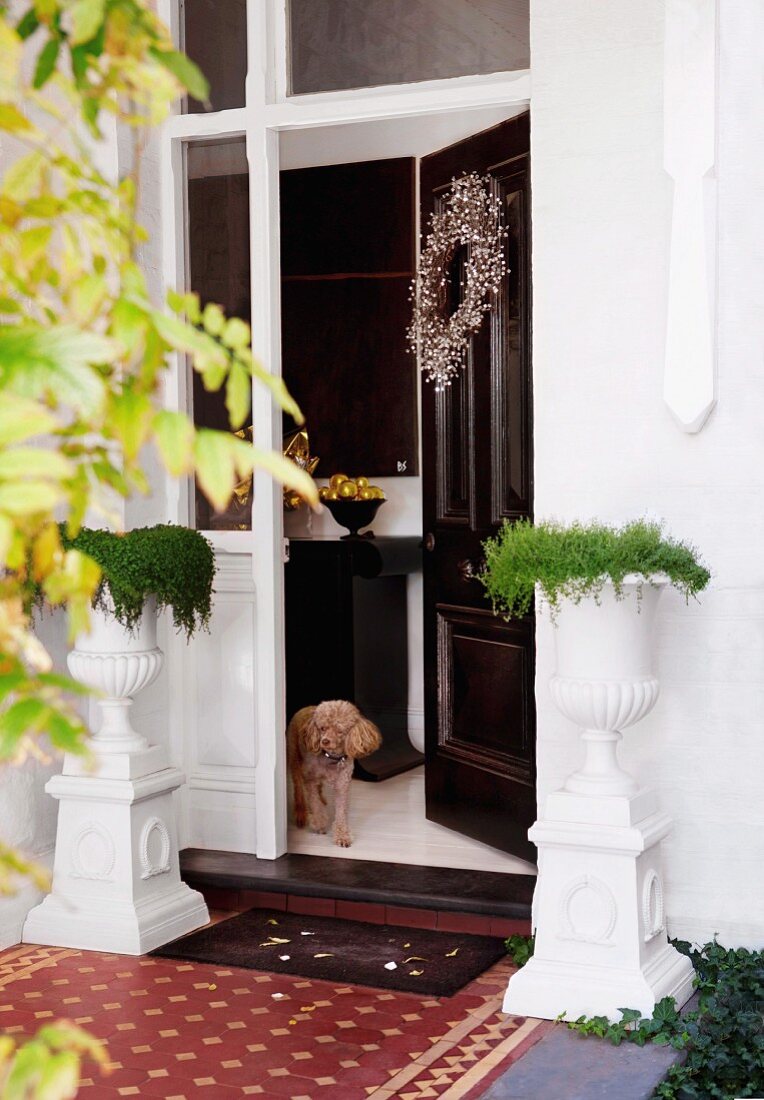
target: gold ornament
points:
(332, 494)
(362, 482)
(297, 447)
(347, 490)
(366, 494)
(336, 480)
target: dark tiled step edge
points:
(373, 912)
(489, 893)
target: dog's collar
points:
(333, 758)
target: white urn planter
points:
(598, 908)
(116, 879)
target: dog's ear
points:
(363, 739)
(310, 735)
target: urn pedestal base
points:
(598, 911)
(116, 880)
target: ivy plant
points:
(572, 561)
(173, 564)
(83, 355)
(722, 1041)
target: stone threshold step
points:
(566, 1065)
(393, 885)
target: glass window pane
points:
(217, 210)
(214, 35)
(361, 43)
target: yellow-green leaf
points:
(24, 176)
(214, 460)
(28, 498)
(238, 395)
(10, 60)
(213, 319)
(284, 471)
(12, 120)
(174, 435)
(130, 415)
(22, 419)
(203, 350)
(236, 334)
(87, 296)
(34, 462)
(87, 17)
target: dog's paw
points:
(342, 838)
(300, 820)
(320, 827)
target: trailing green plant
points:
(722, 1040)
(520, 948)
(174, 564)
(571, 561)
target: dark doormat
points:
(434, 963)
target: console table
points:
(347, 635)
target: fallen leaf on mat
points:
(416, 973)
(292, 1023)
(212, 987)
(278, 939)
(324, 955)
(407, 945)
(450, 954)
(307, 933)
(267, 945)
(271, 921)
(285, 958)
(278, 996)
(391, 966)
(415, 959)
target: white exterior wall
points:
(606, 446)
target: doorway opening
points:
(379, 621)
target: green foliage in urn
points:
(174, 564)
(571, 561)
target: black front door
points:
(477, 472)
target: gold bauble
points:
(322, 492)
(362, 482)
(347, 490)
(331, 494)
(377, 493)
(336, 480)
(365, 494)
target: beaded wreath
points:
(471, 216)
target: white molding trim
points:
(690, 130)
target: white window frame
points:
(268, 111)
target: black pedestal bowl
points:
(354, 514)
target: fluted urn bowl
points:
(604, 680)
(117, 663)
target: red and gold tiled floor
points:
(179, 1030)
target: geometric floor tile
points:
(181, 1031)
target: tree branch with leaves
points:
(83, 355)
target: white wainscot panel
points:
(221, 754)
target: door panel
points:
(477, 445)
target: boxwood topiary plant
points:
(568, 562)
(174, 564)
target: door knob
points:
(429, 541)
(467, 570)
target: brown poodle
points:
(322, 743)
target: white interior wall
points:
(606, 446)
